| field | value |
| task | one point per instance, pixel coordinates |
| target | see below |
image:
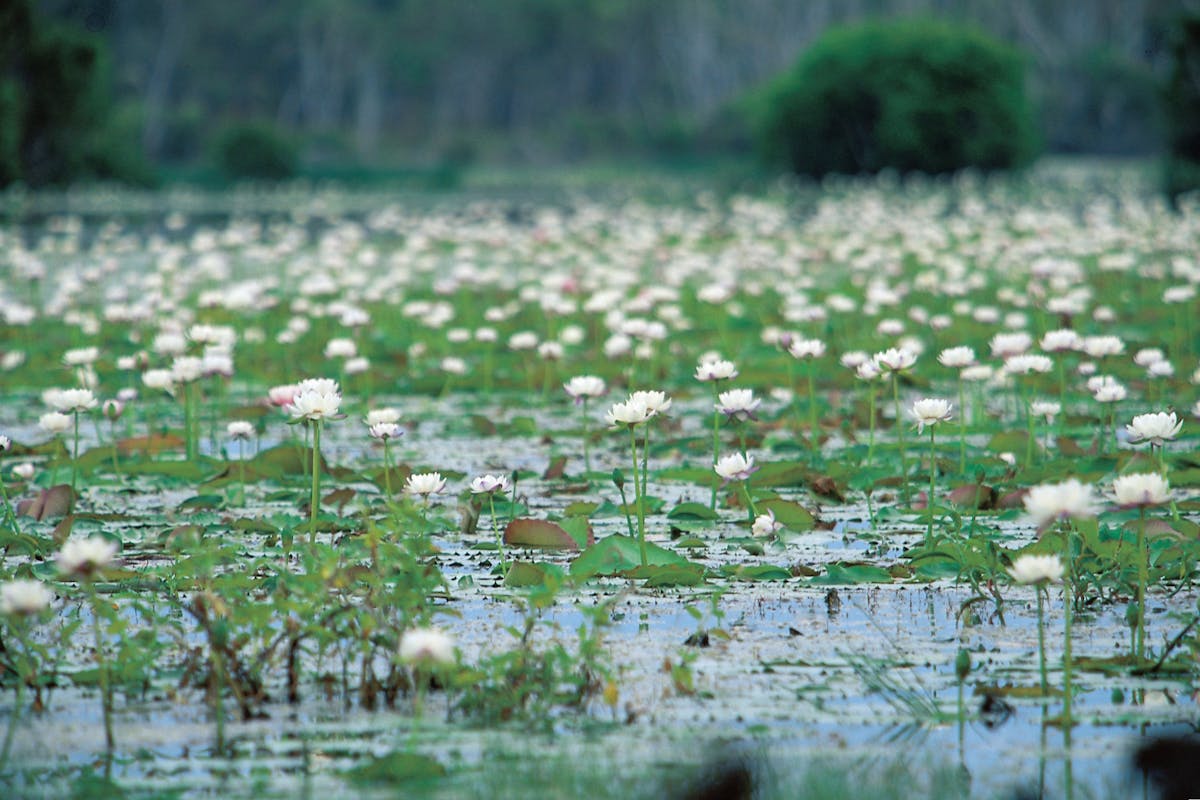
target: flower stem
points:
(314, 503)
(716, 428)
(496, 532)
(587, 452)
(1041, 637)
(932, 484)
(102, 665)
(900, 437)
(813, 433)
(749, 499)
(1143, 579)
(387, 472)
(871, 426)
(22, 677)
(75, 456)
(637, 489)
(962, 429)
(1068, 611)
(8, 509)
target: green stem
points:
(22, 677)
(871, 424)
(932, 485)
(716, 430)
(1041, 637)
(242, 469)
(8, 509)
(900, 437)
(1029, 424)
(387, 471)
(218, 695)
(316, 482)
(637, 488)
(496, 532)
(1068, 612)
(1143, 579)
(75, 456)
(814, 434)
(102, 665)
(587, 453)
(962, 429)
(749, 499)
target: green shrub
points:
(913, 95)
(255, 151)
(1182, 173)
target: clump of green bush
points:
(1182, 173)
(255, 151)
(912, 95)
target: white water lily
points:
(584, 386)
(1069, 499)
(1141, 489)
(85, 556)
(930, 411)
(1155, 428)
(24, 598)
(735, 467)
(1031, 569)
(425, 483)
(239, 429)
(716, 370)
(489, 484)
(738, 404)
(766, 524)
(426, 647)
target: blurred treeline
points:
(378, 82)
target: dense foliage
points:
(1183, 109)
(914, 95)
(255, 151)
(56, 124)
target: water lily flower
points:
(489, 484)
(1032, 569)
(1155, 428)
(766, 524)
(24, 598)
(54, 422)
(1066, 500)
(84, 557)
(283, 395)
(385, 430)
(716, 370)
(425, 483)
(1060, 341)
(930, 411)
(957, 357)
(895, 359)
(735, 467)
(72, 400)
(316, 399)
(1141, 489)
(656, 402)
(426, 647)
(239, 430)
(806, 348)
(738, 404)
(1045, 408)
(584, 386)
(631, 412)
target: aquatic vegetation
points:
(223, 545)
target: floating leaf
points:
(762, 572)
(840, 573)
(616, 554)
(580, 508)
(556, 469)
(691, 511)
(541, 533)
(339, 498)
(524, 573)
(789, 514)
(396, 768)
(201, 501)
(53, 502)
(157, 443)
(658, 575)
